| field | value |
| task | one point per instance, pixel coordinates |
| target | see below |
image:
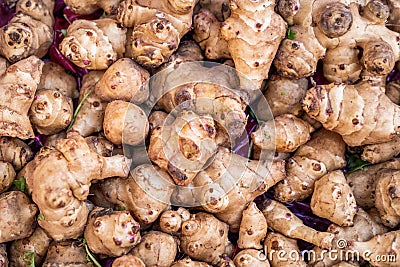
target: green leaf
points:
(30, 258)
(120, 208)
(104, 15)
(64, 32)
(89, 256)
(282, 93)
(291, 35)
(20, 183)
(267, 135)
(41, 217)
(79, 108)
(355, 163)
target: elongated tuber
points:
(72, 166)
(290, 132)
(254, 32)
(111, 233)
(361, 113)
(94, 45)
(156, 249)
(145, 193)
(20, 216)
(323, 153)
(19, 84)
(381, 152)
(253, 228)
(333, 199)
(29, 32)
(204, 237)
(282, 220)
(251, 257)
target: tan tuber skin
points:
(253, 228)
(156, 249)
(282, 220)
(3, 255)
(274, 243)
(91, 115)
(171, 220)
(125, 122)
(38, 243)
(361, 113)
(51, 112)
(19, 84)
(250, 43)
(323, 153)
(251, 257)
(157, 119)
(94, 45)
(147, 206)
(7, 176)
(365, 227)
(381, 152)
(203, 237)
(55, 77)
(124, 80)
(29, 32)
(111, 233)
(72, 166)
(158, 27)
(100, 145)
(393, 91)
(207, 33)
(128, 261)
(68, 253)
(15, 151)
(187, 262)
(19, 218)
(333, 199)
(220, 8)
(289, 133)
(393, 21)
(89, 7)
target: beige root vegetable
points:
(226, 261)
(284, 96)
(333, 199)
(55, 77)
(254, 32)
(361, 113)
(3, 255)
(19, 84)
(393, 91)
(363, 182)
(72, 166)
(68, 253)
(95, 44)
(251, 257)
(145, 206)
(253, 228)
(188, 51)
(207, 33)
(157, 119)
(20, 216)
(156, 249)
(187, 262)
(37, 243)
(381, 152)
(125, 122)
(387, 197)
(365, 227)
(100, 145)
(171, 220)
(231, 182)
(282, 251)
(203, 237)
(183, 147)
(323, 153)
(111, 233)
(128, 261)
(89, 7)
(393, 21)
(157, 29)
(124, 80)
(29, 32)
(282, 220)
(3, 65)
(289, 133)
(91, 115)
(220, 8)
(50, 112)
(7, 176)
(379, 247)
(14, 151)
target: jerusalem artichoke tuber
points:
(219, 8)
(89, 7)
(386, 198)
(128, 261)
(381, 152)
(3, 255)
(7, 176)
(171, 220)
(187, 262)
(253, 228)
(68, 253)
(15, 151)
(251, 257)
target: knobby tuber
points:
(89, 7)
(14, 151)
(111, 233)
(219, 8)
(68, 253)
(171, 220)
(72, 166)
(282, 220)
(387, 197)
(251, 257)
(253, 228)
(381, 152)
(128, 261)
(7, 176)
